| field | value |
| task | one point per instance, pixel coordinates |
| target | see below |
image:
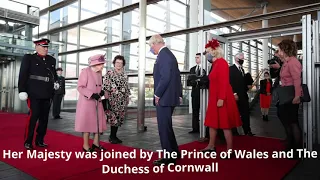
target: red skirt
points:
(265, 101)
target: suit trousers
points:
(39, 110)
(195, 112)
(243, 106)
(56, 104)
(167, 138)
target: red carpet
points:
(11, 138)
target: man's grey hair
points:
(156, 39)
(238, 55)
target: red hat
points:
(212, 44)
(42, 42)
(97, 59)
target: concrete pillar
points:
(28, 28)
(265, 47)
(142, 65)
(193, 38)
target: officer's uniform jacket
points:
(61, 90)
(37, 76)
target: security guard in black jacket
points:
(58, 95)
(37, 81)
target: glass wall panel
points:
(178, 20)
(90, 8)
(43, 25)
(100, 32)
(72, 93)
(129, 2)
(71, 70)
(155, 25)
(178, 8)
(131, 25)
(67, 40)
(64, 16)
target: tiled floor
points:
(182, 125)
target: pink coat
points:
(89, 82)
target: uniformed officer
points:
(58, 95)
(37, 81)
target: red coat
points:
(227, 116)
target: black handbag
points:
(287, 93)
(106, 104)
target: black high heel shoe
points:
(87, 150)
(98, 147)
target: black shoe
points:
(87, 150)
(250, 134)
(28, 146)
(41, 144)
(263, 117)
(93, 147)
(267, 119)
(57, 117)
(113, 140)
(120, 141)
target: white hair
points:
(238, 54)
(156, 39)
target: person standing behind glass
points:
(290, 75)
(116, 87)
(58, 95)
(265, 95)
(90, 89)
(195, 94)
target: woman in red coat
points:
(222, 111)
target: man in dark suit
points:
(58, 95)
(195, 93)
(240, 88)
(167, 95)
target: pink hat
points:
(96, 59)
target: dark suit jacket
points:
(238, 83)
(195, 86)
(167, 79)
(263, 86)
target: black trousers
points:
(243, 107)
(39, 110)
(195, 113)
(56, 105)
(288, 114)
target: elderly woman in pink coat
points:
(90, 89)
